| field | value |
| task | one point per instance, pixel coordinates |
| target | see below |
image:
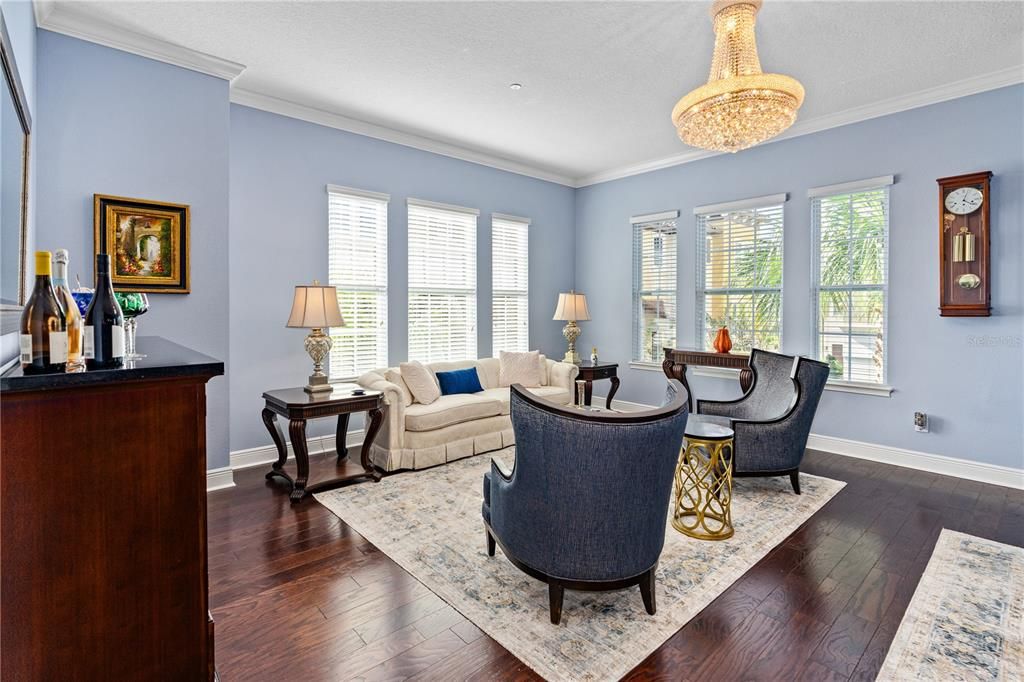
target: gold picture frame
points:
(148, 243)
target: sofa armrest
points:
(563, 375)
(392, 432)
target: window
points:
(739, 272)
(442, 282)
(654, 284)
(510, 265)
(850, 225)
(357, 247)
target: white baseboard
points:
(217, 479)
(887, 454)
(265, 454)
(923, 461)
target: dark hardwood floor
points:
(297, 593)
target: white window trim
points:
(443, 207)
(831, 385)
(504, 217)
(386, 200)
(851, 187)
(883, 389)
(742, 204)
(663, 216)
(727, 207)
(364, 193)
(646, 366)
(653, 217)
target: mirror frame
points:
(10, 315)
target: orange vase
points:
(722, 344)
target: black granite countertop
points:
(164, 359)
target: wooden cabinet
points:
(103, 521)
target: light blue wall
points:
(279, 171)
(965, 372)
(110, 122)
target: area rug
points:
(964, 621)
(429, 522)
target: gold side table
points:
(703, 485)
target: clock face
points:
(964, 200)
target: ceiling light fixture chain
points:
(739, 106)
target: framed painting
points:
(148, 243)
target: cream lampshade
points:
(571, 307)
(315, 307)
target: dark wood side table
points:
(677, 360)
(299, 406)
(591, 373)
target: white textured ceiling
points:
(600, 78)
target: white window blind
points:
(739, 273)
(850, 261)
(442, 282)
(655, 248)
(358, 267)
(510, 265)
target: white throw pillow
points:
(420, 381)
(520, 368)
(395, 377)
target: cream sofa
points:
(415, 436)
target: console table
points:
(298, 407)
(103, 532)
(591, 373)
(678, 359)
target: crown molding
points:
(60, 18)
(276, 105)
(920, 98)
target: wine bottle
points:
(104, 323)
(44, 336)
(72, 315)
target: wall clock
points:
(964, 267)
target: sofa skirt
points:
(431, 448)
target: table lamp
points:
(314, 308)
(571, 307)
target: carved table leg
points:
(588, 392)
(341, 437)
(677, 371)
(297, 431)
(611, 393)
(375, 418)
(270, 421)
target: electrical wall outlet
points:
(921, 422)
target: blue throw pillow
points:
(459, 381)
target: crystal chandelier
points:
(739, 106)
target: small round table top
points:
(705, 430)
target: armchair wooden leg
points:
(555, 594)
(490, 542)
(647, 590)
(794, 478)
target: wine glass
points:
(132, 305)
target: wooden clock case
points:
(954, 299)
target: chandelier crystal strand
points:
(739, 106)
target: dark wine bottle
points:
(104, 323)
(44, 336)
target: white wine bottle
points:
(44, 336)
(104, 323)
(72, 315)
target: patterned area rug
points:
(965, 619)
(429, 522)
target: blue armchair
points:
(585, 506)
(772, 420)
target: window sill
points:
(856, 387)
(646, 366)
(859, 388)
